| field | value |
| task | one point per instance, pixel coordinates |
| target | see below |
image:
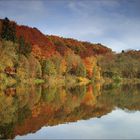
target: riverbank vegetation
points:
(20, 63)
(28, 56)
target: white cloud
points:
(24, 12)
(97, 21)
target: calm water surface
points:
(79, 112)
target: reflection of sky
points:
(117, 124)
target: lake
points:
(77, 112)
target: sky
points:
(114, 23)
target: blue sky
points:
(114, 23)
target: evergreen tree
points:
(8, 30)
(5, 29)
(13, 32)
(28, 49)
(21, 45)
(24, 48)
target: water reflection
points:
(117, 124)
(27, 109)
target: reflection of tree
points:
(34, 95)
(34, 107)
(15, 109)
(22, 92)
(124, 97)
(23, 114)
(49, 93)
(60, 106)
(6, 131)
(89, 98)
(7, 109)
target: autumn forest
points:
(50, 80)
(29, 56)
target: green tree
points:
(34, 67)
(13, 32)
(5, 29)
(48, 68)
(81, 70)
(21, 44)
(8, 30)
(57, 62)
(24, 48)
(28, 49)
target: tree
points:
(24, 48)
(8, 30)
(90, 63)
(13, 31)
(72, 61)
(34, 67)
(23, 68)
(48, 68)
(0, 29)
(5, 29)
(28, 49)
(57, 62)
(21, 45)
(81, 70)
